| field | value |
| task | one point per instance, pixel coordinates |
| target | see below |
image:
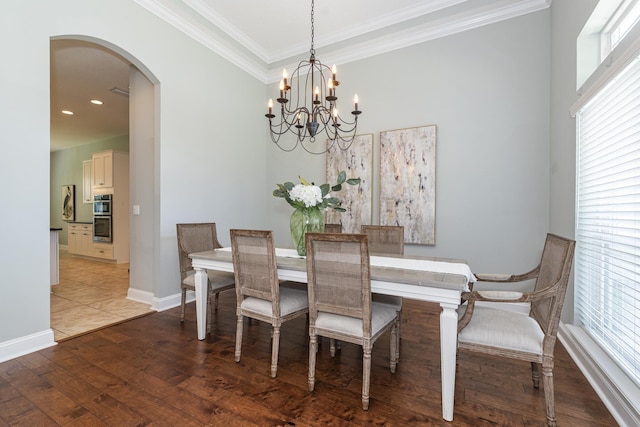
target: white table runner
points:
(404, 263)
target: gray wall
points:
(66, 168)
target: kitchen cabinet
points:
(80, 239)
(102, 169)
(111, 176)
(102, 250)
(87, 181)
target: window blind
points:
(607, 262)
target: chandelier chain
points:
(312, 51)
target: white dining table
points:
(426, 279)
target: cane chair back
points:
(385, 239)
(198, 237)
(506, 333)
(340, 305)
(333, 228)
(258, 292)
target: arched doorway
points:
(141, 86)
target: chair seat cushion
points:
(503, 329)
(381, 316)
(291, 300)
(217, 279)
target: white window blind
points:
(607, 264)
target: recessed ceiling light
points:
(96, 101)
(70, 113)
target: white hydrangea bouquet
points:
(309, 195)
(310, 201)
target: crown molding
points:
(376, 45)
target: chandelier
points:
(309, 109)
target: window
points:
(607, 267)
(619, 26)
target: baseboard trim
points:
(171, 301)
(26, 344)
(613, 387)
(138, 295)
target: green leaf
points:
(333, 201)
(339, 209)
(325, 189)
(336, 187)
(353, 181)
(342, 176)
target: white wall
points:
(487, 90)
(567, 19)
(209, 165)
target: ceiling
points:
(260, 37)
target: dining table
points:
(439, 280)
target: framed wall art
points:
(68, 202)
(357, 161)
(408, 182)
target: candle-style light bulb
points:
(355, 101)
(282, 88)
(335, 113)
(317, 91)
(334, 71)
(270, 105)
(284, 77)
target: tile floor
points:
(90, 296)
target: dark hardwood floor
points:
(152, 371)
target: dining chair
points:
(340, 305)
(258, 291)
(333, 228)
(532, 337)
(198, 237)
(386, 240)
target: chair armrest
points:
(495, 296)
(508, 278)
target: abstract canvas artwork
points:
(407, 182)
(357, 162)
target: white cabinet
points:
(87, 181)
(103, 169)
(111, 176)
(80, 239)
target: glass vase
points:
(305, 220)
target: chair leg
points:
(313, 349)
(535, 374)
(399, 334)
(238, 337)
(332, 347)
(393, 356)
(275, 347)
(208, 313)
(183, 300)
(366, 376)
(216, 300)
(547, 377)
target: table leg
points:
(448, 351)
(201, 302)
